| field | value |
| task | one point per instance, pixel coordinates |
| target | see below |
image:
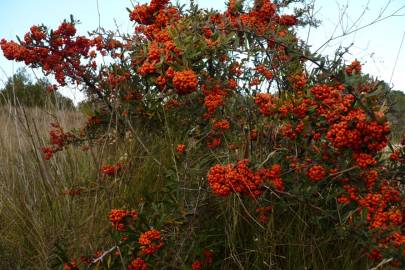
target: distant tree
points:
(396, 113)
(20, 90)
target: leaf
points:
(379, 91)
(109, 261)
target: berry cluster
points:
(150, 242)
(120, 219)
(238, 178)
(111, 169)
(58, 139)
(185, 82)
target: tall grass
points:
(33, 211)
(35, 214)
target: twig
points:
(100, 258)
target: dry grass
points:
(35, 214)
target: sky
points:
(377, 45)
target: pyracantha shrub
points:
(276, 126)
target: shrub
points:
(291, 152)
